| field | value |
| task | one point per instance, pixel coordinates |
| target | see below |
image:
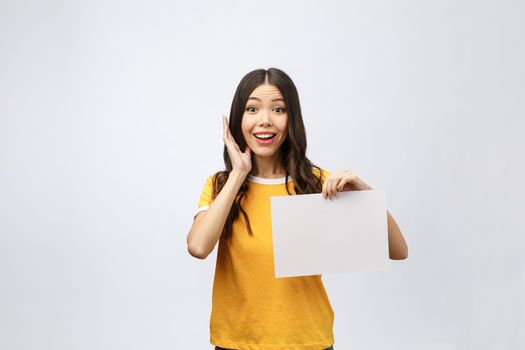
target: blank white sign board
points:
(313, 235)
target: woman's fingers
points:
(341, 184)
(224, 129)
(327, 187)
(228, 139)
(240, 159)
(330, 187)
(338, 182)
(333, 187)
(227, 130)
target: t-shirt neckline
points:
(266, 181)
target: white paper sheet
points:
(313, 235)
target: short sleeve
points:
(324, 173)
(205, 199)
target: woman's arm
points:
(397, 246)
(208, 225)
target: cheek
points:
(245, 129)
(284, 126)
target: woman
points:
(265, 155)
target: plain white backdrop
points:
(111, 122)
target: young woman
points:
(265, 156)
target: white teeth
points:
(264, 136)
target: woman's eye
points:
(280, 110)
(250, 109)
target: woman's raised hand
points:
(241, 161)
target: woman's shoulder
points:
(320, 172)
(212, 175)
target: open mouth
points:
(264, 136)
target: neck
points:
(268, 167)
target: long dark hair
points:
(293, 149)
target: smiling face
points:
(265, 121)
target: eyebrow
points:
(258, 99)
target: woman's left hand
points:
(343, 181)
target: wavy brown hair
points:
(293, 149)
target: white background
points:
(111, 122)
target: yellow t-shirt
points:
(251, 309)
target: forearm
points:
(206, 230)
(397, 246)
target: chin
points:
(263, 154)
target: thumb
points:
(247, 150)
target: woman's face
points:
(265, 115)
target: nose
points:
(265, 119)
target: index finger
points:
(224, 126)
